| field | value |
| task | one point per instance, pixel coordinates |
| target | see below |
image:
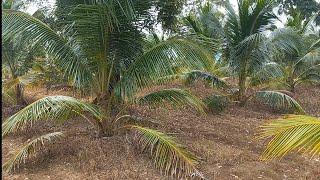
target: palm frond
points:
(308, 25)
(286, 40)
(176, 97)
(8, 96)
(26, 79)
(165, 59)
(58, 108)
(232, 26)
(192, 21)
(15, 22)
(205, 27)
(252, 17)
(268, 72)
(92, 24)
(312, 78)
(210, 79)
(251, 51)
(169, 156)
(249, 44)
(28, 150)
(311, 58)
(291, 133)
(279, 100)
(310, 74)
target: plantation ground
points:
(224, 142)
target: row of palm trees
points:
(100, 48)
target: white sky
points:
(283, 18)
(32, 8)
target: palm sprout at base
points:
(291, 133)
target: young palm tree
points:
(18, 55)
(291, 133)
(242, 50)
(296, 49)
(205, 26)
(245, 36)
(100, 51)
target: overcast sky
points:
(32, 8)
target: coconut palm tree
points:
(100, 50)
(18, 55)
(242, 50)
(245, 35)
(291, 133)
(296, 49)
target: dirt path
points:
(224, 142)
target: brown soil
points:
(224, 142)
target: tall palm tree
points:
(99, 48)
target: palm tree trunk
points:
(290, 79)
(105, 127)
(291, 83)
(292, 88)
(242, 86)
(19, 95)
(48, 87)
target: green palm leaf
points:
(58, 108)
(291, 133)
(15, 22)
(205, 27)
(165, 59)
(29, 149)
(211, 79)
(253, 16)
(7, 96)
(311, 58)
(269, 72)
(251, 51)
(169, 156)
(26, 79)
(286, 40)
(279, 100)
(312, 77)
(176, 97)
(308, 25)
